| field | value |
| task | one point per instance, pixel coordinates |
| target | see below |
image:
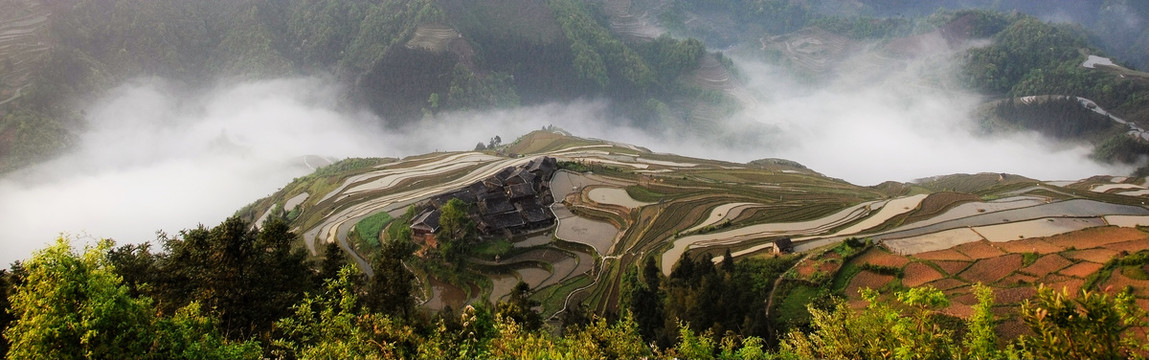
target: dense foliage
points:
(73, 305)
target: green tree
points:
(391, 288)
(73, 306)
(247, 278)
(333, 259)
(456, 230)
(333, 325)
(901, 329)
(981, 340)
(1093, 325)
(520, 308)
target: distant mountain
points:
(412, 59)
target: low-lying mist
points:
(159, 158)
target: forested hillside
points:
(229, 293)
(406, 60)
(412, 59)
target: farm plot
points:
(598, 234)
(1039, 246)
(501, 286)
(932, 242)
(670, 257)
(979, 250)
(867, 279)
(1036, 228)
(952, 267)
(720, 213)
(991, 270)
(878, 257)
(917, 274)
(1081, 269)
(891, 209)
(1129, 246)
(1096, 237)
(1098, 255)
(614, 196)
(943, 255)
(1046, 265)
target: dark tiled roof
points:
(495, 206)
(520, 191)
(428, 220)
(504, 221)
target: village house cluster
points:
(513, 201)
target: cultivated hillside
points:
(618, 207)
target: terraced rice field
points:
(722, 212)
(670, 257)
(1000, 265)
(1046, 264)
(918, 274)
(888, 210)
(614, 196)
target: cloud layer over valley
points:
(156, 157)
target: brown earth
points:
(1013, 295)
(962, 295)
(992, 269)
(1016, 279)
(959, 310)
(1056, 278)
(1081, 269)
(1099, 255)
(1073, 286)
(1046, 264)
(979, 250)
(1095, 237)
(1012, 329)
(866, 279)
(1118, 281)
(952, 267)
(1131, 246)
(947, 254)
(1029, 245)
(937, 203)
(948, 283)
(917, 274)
(876, 256)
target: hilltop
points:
(620, 208)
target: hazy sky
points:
(158, 159)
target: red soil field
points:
(947, 254)
(857, 304)
(1072, 285)
(1081, 269)
(1099, 255)
(948, 283)
(1046, 264)
(1013, 295)
(1012, 329)
(979, 250)
(1130, 246)
(991, 270)
(1095, 237)
(1118, 281)
(952, 267)
(962, 295)
(867, 279)
(1029, 245)
(959, 310)
(915, 274)
(1056, 278)
(880, 257)
(1016, 279)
